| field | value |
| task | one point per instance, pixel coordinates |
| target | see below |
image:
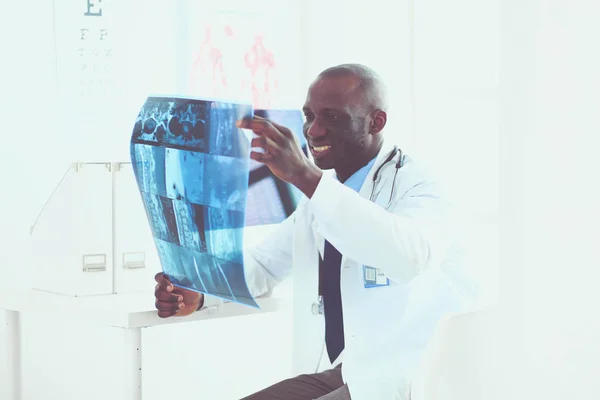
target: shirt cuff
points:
(211, 301)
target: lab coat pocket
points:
(380, 298)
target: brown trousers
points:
(326, 385)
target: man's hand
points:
(283, 154)
(172, 300)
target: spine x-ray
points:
(192, 165)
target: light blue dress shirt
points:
(357, 179)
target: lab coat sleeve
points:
(402, 242)
(267, 264)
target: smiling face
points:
(341, 128)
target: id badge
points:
(374, 277)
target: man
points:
(369, 247)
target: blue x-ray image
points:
(191, 164)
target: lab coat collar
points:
(367, 187)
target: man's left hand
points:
(282, 154)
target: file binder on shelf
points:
(92, 236)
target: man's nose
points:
(315, 130)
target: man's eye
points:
(333, 117)
(309, 117)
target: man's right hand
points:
(172, 300)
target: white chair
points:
(467, 359)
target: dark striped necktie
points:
(330, 274)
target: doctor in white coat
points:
(370, 248)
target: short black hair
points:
(370, 84)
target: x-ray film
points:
(192, 165)
(265, 188)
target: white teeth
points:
(321, 148)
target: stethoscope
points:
(376, 177)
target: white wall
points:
(342, 32)
(545, 334)
(456, 86)
(26, 168)
(550, 114)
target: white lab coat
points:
(386, 328)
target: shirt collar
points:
(356, 180)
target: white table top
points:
(121, 310)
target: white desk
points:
(130, 312)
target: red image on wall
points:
(226, 64)
(260, 61)
(208, 74)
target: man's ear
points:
(378, 121)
